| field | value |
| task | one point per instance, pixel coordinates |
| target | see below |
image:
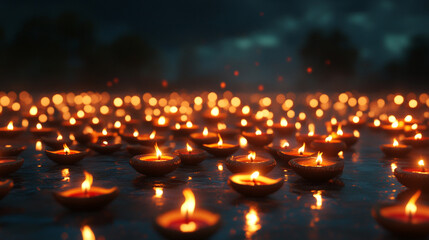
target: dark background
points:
(249, 45)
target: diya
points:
(105, 147)
(11, 131)
(244, 125)
(254, 185)
(348, 138)
(130, 138)
(413, 177)
(226, 132)
(418, 141)
(284, 127)
(5, 187)
(408, 219)
(221, 149)
(258, 138)
(188, 222)
(356, 122)
(214, 116)
(87, 197)
(155, 164)
(395, 149)
(40, 131)
(56, 142)
(393, 129)
(10, 150)
(66, 155)
(329, 146)
(307, 138)
(10, 165)
(105, 135)
(205, 137)
(274, 149)
(184, 129)
(190, 155)
(286, 155)
(250, 163)
(137, 149)
(161, 124)
(316, 168)
(151, 139)
(72, 125)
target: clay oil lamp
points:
(205, 137)
(375, 125)
(10, 165)
(161, 124)
(250, 163)
(40, 131)
(221, 149)
(87, 197)
(274, 149)
(307, 138)
(105, 147)
(254, 185)
(151, 139)
(226, 132)
(11, 131)
(348, 138)
(10, 150)
(418, 141)
(393, 129)
(284, 127)
(408, 219)
(86, 136)
(5, 187)
(356, 122)
(395, 149)
(413, 177)
(244, 125)
(329, 146)
(244, 113)
(155, 164)
(56, 142)
(288, 154)
(258, 138)
(214, 116)
(184, 129)
(66, 155)
(190, 155)
(317, 168)
(188, 222)
(72, 125)
(32, 115)
(105, 135)
(130, 137)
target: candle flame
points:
(10, 126)
(418, 136)
(356, 133)
(408, 118)
(245, 110)
(87, 233)
(188, 207)
(38, 126)
(104, 132)
(411, 208)
(221, 126)
(393, 167)
(414, 126)
(395, 124)
(355, 119)
(177, 126)
(284, 143)
(334, 121)
(117, 124)
(251, 156)
(328, 139)
(301, 149)
(95, 120)
(283, 122)
(421, 163)
(341, 154)
(188, 147)
(243, 142)
(135, 133)
(243, 122)
(33, 110)
(105, 143)
(60, 137)
(189, 124)
(152, 135)
(254, 176)
(66, 149)
(377, 122)
(319, 159)
(205, 132)
(220, 167)
(161, 120)
(340, 131)
(72, 121)
(258, 131)
(319, 200)
(220, 142)
(158, 152)
(86, 185)
(215, 112)
(395, 142)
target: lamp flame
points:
(319, 159)
(283, 122)
(254, 176)
(334, 121)
(414, 126)
(38, 126)
(284, 143)
(60, 137)
(152, 135)
(395, 124)
(33, 110)
(251, 156)
(104, 132)
(177, 126)
(158, 152)
(188, 207)
(66, 149)
(340, 131)
(86, 185)
(117, 124)
(87, 233)
(393, 167)
(72, 121)
(189, 124)
(411, 208)
(10, 126)
(418, 136)
(215, 112)
(188, 147)
(377, 123)
(220, 142)
(258, 131)
(319, 200)
(161, 120)
(356, 133)
(328, 139)
(221, 126)
(245, 110)
(252, 223)
(395, 142)
(135, 133)
(205, 132)
(95, 120)
(301, 149)
(243, 122)
(355, 119)
(422, 165)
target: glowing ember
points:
(87, 233)
(188, 147)
(319, 159)
(411, 208)
(283, 122)
(301, 149)
(418, 136)
(38, 146)
(158, 152)
(86, 185)
(10, 126)
(341, 154)
(187, 210)
(152, 135)
(105, 143)
(251, 156)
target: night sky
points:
(236, 35)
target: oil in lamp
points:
(10, 165)
(10, 150)
(317, 168)
(155, 164)
(40, 131)
(284, 127)
(161, 124)
(258, 138)
(151, 139)
(5, 187)
(72, 125)
(395, 149)
(190, 155)
(188, 222)
(11, 131)
(413, 177)
(286, 155)
(221, 149)
(184, 129)
(254, 185)
(348, 138)
(105, 147)
(66, 155)
(274, 149)
(87, 197)
(407, 219)
(250, 163)
(329, 146)
(226, 132)
(418, 141)
(205, 137)
(56, 142)
(214, 116)
(105, 135)
(244, 125)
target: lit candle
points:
(155, 164)
(250, 163)
(317, 168)
(254, 185)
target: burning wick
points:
(152, 135)
(411, 208)
(158, 152)
(10, 126)
(189, 148)
(301, 149)
(86, 185)
(253, 177)
(251, 156)
(319, 159)
(220, 142)
(395, 142)
(187, 210)
(66, 149)
(422, 165)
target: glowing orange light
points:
(393, 167)
(158, 192)
(319, 159)
(220, 142)
(418, 136)
(152, 135)
(301, 149)
(104, 132)
(188, 147)
(395, 124)
(33, 110)
(284, 143)
(243, 122)
(135, 133)
(254, 176)
(38, 126)
(258, 132)
(245, 110)
(319, 201)
(340, 131)
(161, 120)
(411, 208)
(10, 126)
(95, 120)
(66, 149)
(221, 126)
(205, 132)
(377, 122)
(215, 112)
(86, 185)
(395, 142)
(251, 156)
(187, 210)
(356, 133)
(87, 233)
(72, 121)
(189, 124)
(117, 124)
(158, 152)
(283, 122)
(355, 119)
(220, 167)
(252, 223)
(334, 121)
(177, 126)
(341, 154)
(328, 138)
(60, 137)
(66, 174)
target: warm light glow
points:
(188, 147)
(341, 154)
(105, 143)
(220, 142)
(301, 149)
(158, 152)
(135, 133)
(356, 133)
(254, 176)
(319, 201)
(283, 122)
(328, 138)
(377, 122)
(39, 146)
(215, 112)
(177, 126)
(152, 135)
(408, 118)
(10, 126)
(86, 185)
(284, 143)
(251, 156)
(395, 124)
(334, 121)
(421, 163)
(258, 132)
(205, 132)
(33, 110)
(66, 174)
(66, 149)
(38, 126)
(414, 126)
(319, 159)
(243, 122)
(158, 192)
(72, 121)
(95, 120)
(393, 167)
(418, 136)
(187, 210)
(161, 120)
(310, 133)
(252, 223)
(60, 137)
(221, 126)
(245, 110)
(189, 124)
(411, 208)
(243, 142)
(340, 131)
(395, 142)
(117, 124)
(87, 233)
(355, 119)
(220, 167)
(104, 132)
